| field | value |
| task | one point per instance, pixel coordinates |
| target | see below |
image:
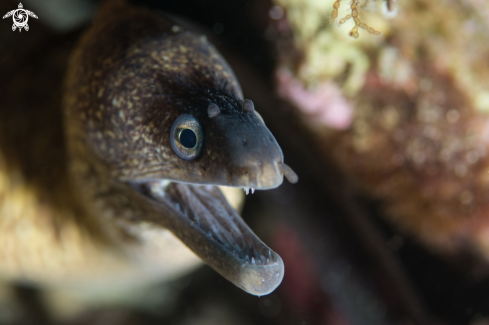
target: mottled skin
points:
(133, 73)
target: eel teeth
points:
(247, 190)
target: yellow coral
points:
(328, 52)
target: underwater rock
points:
(417, 98)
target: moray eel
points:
(155, 120)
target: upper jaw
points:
(255, 176)
(241, 152)
(201, 217)
(264, 176)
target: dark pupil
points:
(188, 139)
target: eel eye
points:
(186, 137)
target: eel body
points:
(155, 120)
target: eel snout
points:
(264, 175)
(203, 220)
(253, 157)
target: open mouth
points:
(204, 221)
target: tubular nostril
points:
(288, 173)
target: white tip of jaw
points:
(260, 280)
(252, 190)
(252, 260)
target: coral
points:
(325, 102)
(356, 18)
(418, 134)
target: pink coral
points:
(325, 102)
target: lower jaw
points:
(203, 220)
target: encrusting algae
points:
(413, 103)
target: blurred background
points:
(388, 134)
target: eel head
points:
(158, 117)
